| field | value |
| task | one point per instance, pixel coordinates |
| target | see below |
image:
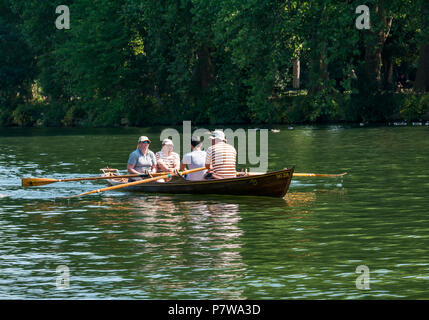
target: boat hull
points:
(273, 184)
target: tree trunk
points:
(156, 95)
(319, 69)
(205, 70)
(374, 47)
(388, 70)
(296, 73)
(422, 77)
(324, 74)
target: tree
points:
(422, 77)
(16, 70)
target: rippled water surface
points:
(305, 246)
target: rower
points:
(221, 157)
(142, 160)
(194, 159)
(168, 161)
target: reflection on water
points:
(294, 199)
(306, 245)
(205, 238)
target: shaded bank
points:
(289, 109)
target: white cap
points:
(167, 142)
(143, 139)
(217, 134)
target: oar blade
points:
(33, 182)
(296, 174)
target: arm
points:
(158, 164)
(131, 169)
(209, 160)
(185, 161)
(132, 161)
(162, 166)
(177, 163)
(154, 168)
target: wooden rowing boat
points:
(272, 184)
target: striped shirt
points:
(222, 157)
(172, 161)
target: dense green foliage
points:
(226, 61)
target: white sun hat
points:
(217, 134)
(167, 142)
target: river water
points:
(119, 245)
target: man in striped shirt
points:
(221, 157)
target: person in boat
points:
(168, 161)
(221, 158)
(142, 160)
(194, 159)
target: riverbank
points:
(293, 108)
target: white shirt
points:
(194, 160)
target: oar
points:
(32, 182)
(296, 174)
(165, 176)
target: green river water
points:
(120, 245)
